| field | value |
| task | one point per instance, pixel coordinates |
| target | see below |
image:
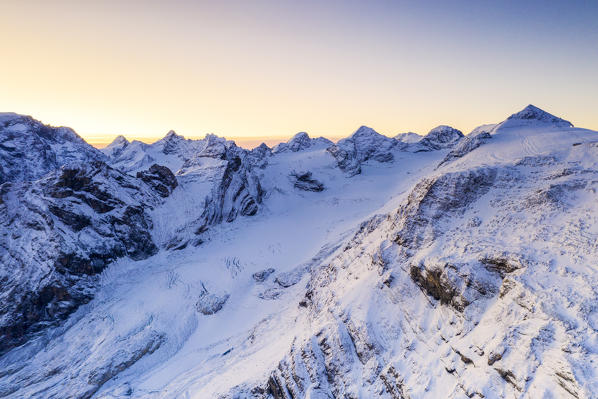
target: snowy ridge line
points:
(411, 267)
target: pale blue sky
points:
(272, 68)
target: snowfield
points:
(444, 266)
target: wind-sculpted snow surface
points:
(465, 270)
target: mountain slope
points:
(61, 231)
(29, 149)
(465, 270)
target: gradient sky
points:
(273, 68)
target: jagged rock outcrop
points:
(179, 154)
(30, 149)
(301, 141)
(223, 178)
(259, 156)
(433, 199)
(160, 178)
(58, 233)
(238, 193)
(363, 145)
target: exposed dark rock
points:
(465, 359)
(270, 293)
(493, 358)
(258, 157)
(290, 278)
(303, 181)
(275, 389)
(72, 224)
(171, 142)
(262, 275)
(160, 178)
(434, 199)
(556, 195)
(503, 265)
(393, 383)
(363, 145)
(434, 283)
(239, 192)
(508, 376)
(72, 219)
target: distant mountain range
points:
(436, 266)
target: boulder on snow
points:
(304, 181)
(262, 275)
(209, 303)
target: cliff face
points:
(59, 232)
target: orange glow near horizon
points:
(262, 69)
(245, 142)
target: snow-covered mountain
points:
(445, 267)
(29, 149)
(408, 137)
(441, 137)
(363, 145)
(301, 141)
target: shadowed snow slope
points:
(466, 270)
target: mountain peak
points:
(442, 128)
(442, 136)
(119, 141)
(365, 131)
(533, 113)
(8, 116)
(300, 136)
(299, 142)
(172, 134)
(408, 138)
